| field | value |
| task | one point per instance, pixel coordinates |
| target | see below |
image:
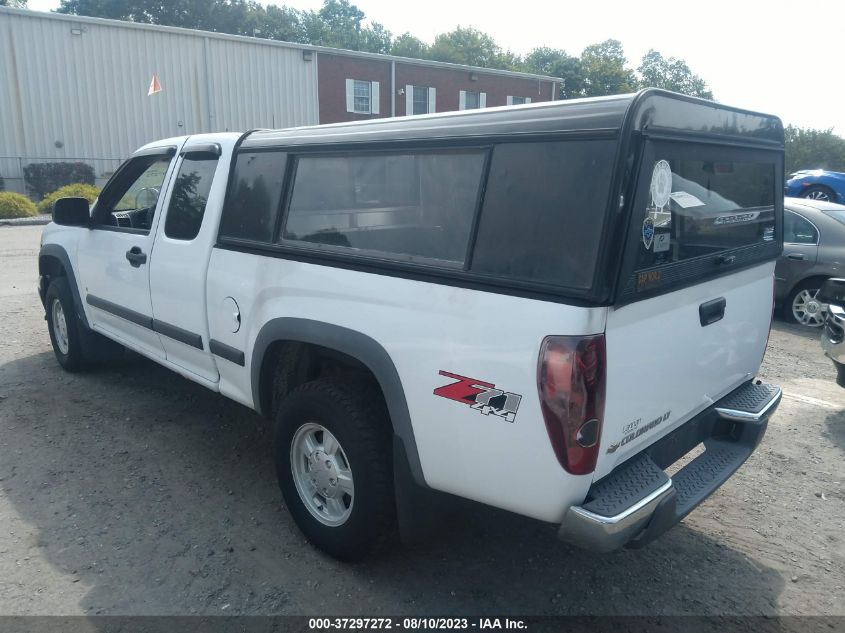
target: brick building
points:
(353, 86)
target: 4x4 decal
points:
(481, 396)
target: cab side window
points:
(189, 197)
(129, 200)
(797, 230)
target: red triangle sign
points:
(154, 86)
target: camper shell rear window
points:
(701, 209)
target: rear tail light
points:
(571, 379)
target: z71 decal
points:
(481, 396)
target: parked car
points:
(419, 304)
(813, 250)
(816, 184)
(832, 292)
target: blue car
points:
(818, 184)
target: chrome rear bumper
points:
(638, 501)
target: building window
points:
(518, 100)
(362, 97)
(469, 100)
(419, 99)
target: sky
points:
(769, 56)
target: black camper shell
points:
(563, 197)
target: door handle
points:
(798, 257)
(711, 311)
(136, 256)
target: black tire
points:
(812, 287)
(819, 192)
(357, 419)
(68, 347)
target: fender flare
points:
(58, 252)
(354, 344)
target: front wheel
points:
(63, 325)
(803, 307)
(335, 468)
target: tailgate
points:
(665, 363)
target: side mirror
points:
(832, 291)
(72, 212)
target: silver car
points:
(813, 251)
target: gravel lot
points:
(133, 491)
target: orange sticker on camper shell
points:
(648, 279)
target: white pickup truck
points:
(541, 308)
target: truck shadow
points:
(146, 494)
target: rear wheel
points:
(335, 468)
(803, 307)
(819, 192)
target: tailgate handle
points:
(712, 311)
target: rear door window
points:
(797, 230)
(189, 197)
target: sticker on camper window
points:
(661, 242)
(661, 184)
(648, 232)
(685, 200)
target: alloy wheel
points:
(60, 327)
(807, 309)
(322, 474)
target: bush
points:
(42, 178)
(76, 190)
(14, 205)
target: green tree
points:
(113, 9)
(471, 47)
(604, 70)
(671, 74)
(342, 24)
(406, 45)
(558, 63)
(375, 39)
(284, 24)
(807, 148)
(15, 4)
(313, 27)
